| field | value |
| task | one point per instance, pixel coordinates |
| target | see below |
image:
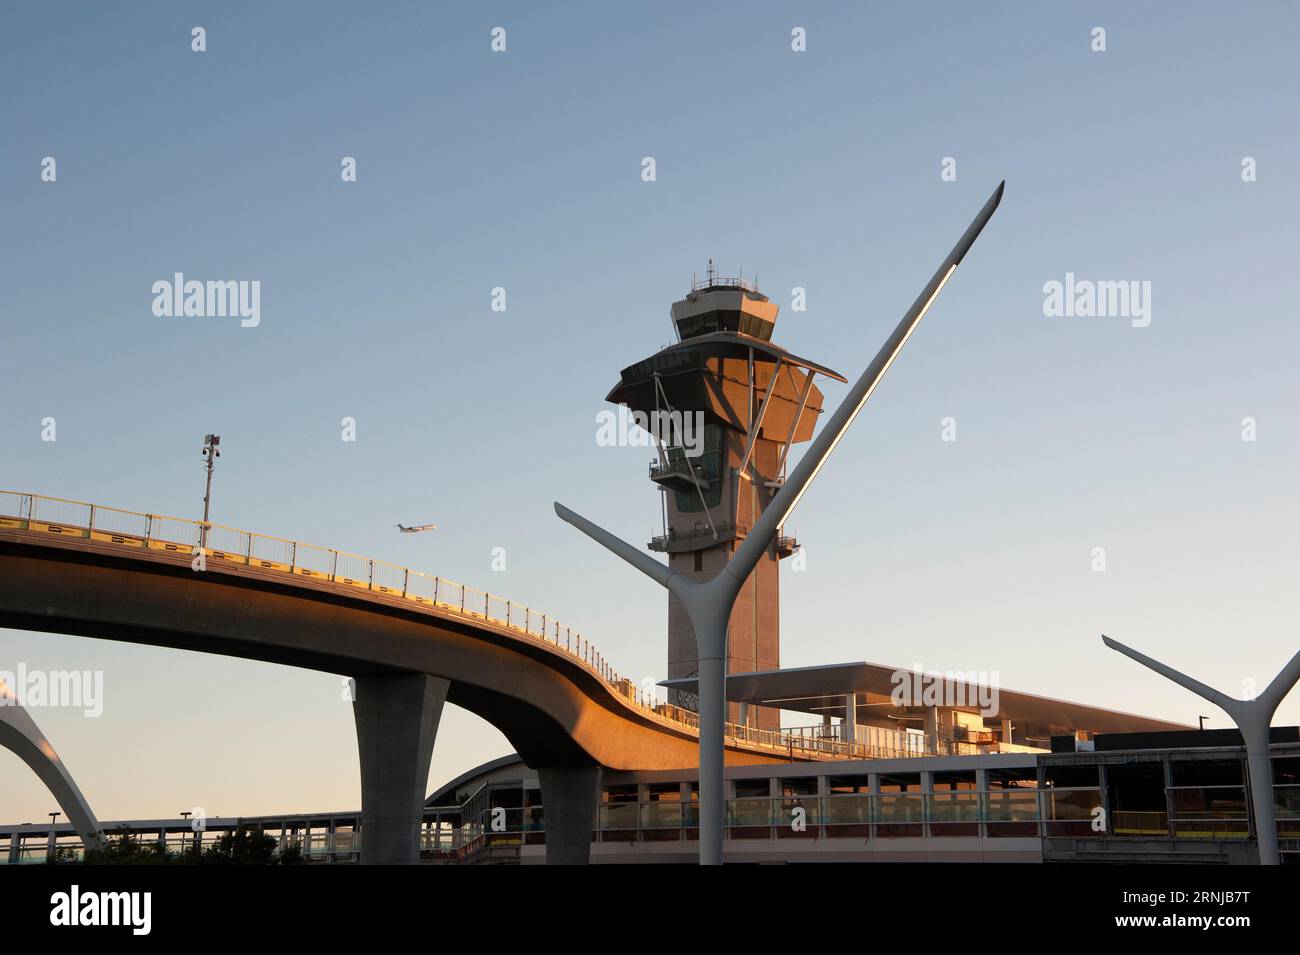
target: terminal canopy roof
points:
(822, 690)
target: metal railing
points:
(869, 742)
(157, 532)
(228, 545)
(723, 531)
(723, 281)
(677, 468)
(815, 742)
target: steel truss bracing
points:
(708, 604)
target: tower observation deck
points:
(726, 406)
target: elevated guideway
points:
(410, 640)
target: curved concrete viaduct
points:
(406, 658)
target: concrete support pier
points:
(397, 721)
(570, 795)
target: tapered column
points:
(1259, 766)
(570, 795)
(713, 803)
(397, 721)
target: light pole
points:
(1252, 718)
(52, 844)
(708, 605)
(210, 452)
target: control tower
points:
(730, 405)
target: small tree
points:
(244, 846)
(125, 848)
(62, 856)
(291, 854)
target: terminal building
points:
(1179, 796)
(982, 775)
(1122, 797)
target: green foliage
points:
(243, 846)
(125, 848)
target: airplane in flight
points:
(416, 528)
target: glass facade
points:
(727, 320)
(712, 463)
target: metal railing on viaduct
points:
(41, 515)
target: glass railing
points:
(666, 814)
(1011, 810)
(958, 806)
(1028, 813)
(993, 814)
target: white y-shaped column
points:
(1253, 718)
(708, 604)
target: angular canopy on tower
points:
(710, 373)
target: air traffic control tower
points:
(755, 400)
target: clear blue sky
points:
(522, 170)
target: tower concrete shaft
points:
(724, 405)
